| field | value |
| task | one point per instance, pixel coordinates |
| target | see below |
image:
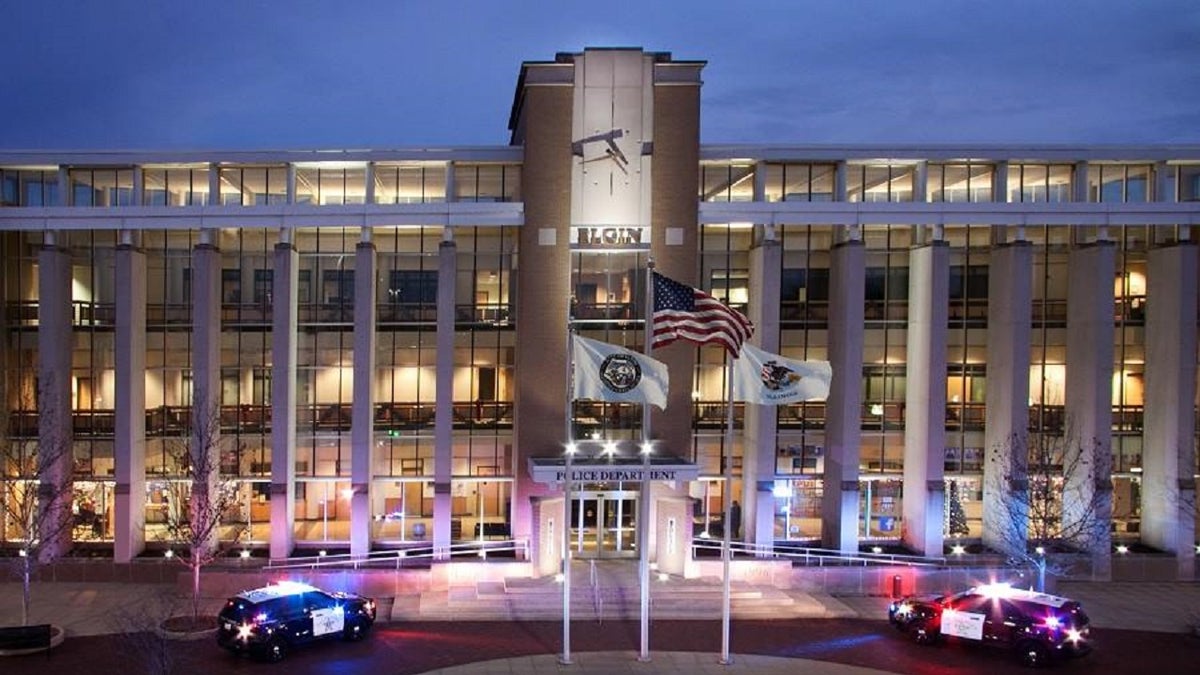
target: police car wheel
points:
(1033, 654)
(276, 650)
(919, 630)
(355, 632)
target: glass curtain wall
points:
(405, 386)
(804, 323)
(724, 274)
(966, 376)
(92, 383)
(176, 185)
(168, 377)
(884, 382)
(324, 384)
(245, 417)
(18, 378)
(482, 471)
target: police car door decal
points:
(328, 620)
(967, 625)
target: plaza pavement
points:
(102, 608)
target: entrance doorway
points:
(604, 521)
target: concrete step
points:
(674, 600)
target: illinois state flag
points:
(770, 379)
(607, 372)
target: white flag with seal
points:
(770, 379)
(607, 372)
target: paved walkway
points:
(99, 608)
(670, 663)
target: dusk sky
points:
(303, 74)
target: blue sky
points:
(253, 74)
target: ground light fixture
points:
(245, 553)
(1122, 549)
(169, 554)
(958, 549)
(876, 549)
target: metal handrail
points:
(597, 600)
(401, 556)
(820, 556)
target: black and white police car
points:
(1038, 627)
(267, 622)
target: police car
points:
(1037, 627)
(268, 622)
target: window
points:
(263, 286)
(413, 287)
(811, 285)
(337, 287)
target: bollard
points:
(897, 587)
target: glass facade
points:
(606, 290)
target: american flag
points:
(685, 313)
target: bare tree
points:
(196, 528)
(36, 485)
(1057, 505)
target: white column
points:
(129, 441)
(139, 186)
(1009, 349)
(206, 368)
(290, 184)
(64, 187)
(443, 431)
(925, 397)
(284, 321)
(369, 184)
(55, 428)
(840, 188)
(362, 430)
(1000, 183)
(921, 182)
(760, 447)
(843, 426)
(214, 184)
(1079, 182)
(451, 183)
(1164, 182)
(1088, 432)
(1168, 448)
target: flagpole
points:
(644, 490)
(727, 526)
(565, 657)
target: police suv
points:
(1038, 627)
(267, 622)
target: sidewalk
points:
(93, 609)
(101, 608)
(668, 663)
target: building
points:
(372, 343)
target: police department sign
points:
(552, 470)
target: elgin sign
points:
(610, 237)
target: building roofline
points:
(984, 152)
(479, 153)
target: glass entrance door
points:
(604, 522)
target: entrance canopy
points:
(551, 470)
